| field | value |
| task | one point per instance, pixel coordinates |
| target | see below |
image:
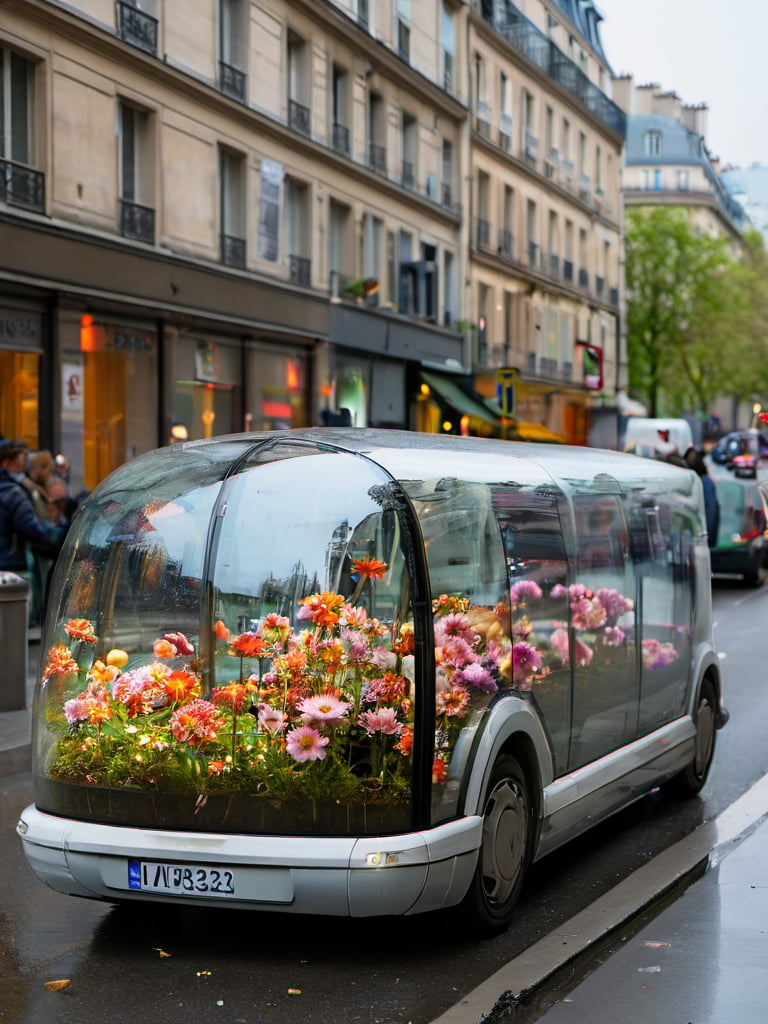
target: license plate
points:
(180, 879)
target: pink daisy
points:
(384, 720)
(306, 744)
(324, 710)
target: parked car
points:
(743, 452)
(364, 672)
(742, 536)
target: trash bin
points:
(14, 599)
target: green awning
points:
(458, 398)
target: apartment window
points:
(232, 28)
(298, 231)
(373, 234)
(482, 107)
(506, 241)
(483, 307)
(409, 142)
(683, 181)
(483, 227)
(449, 298)
(339, 109)
(137, 217)
(652, 143)
(406, 295)
(298, 84)
(20, 185)
(568, 252)
(232, 207)
(137, 24)
(598, 171)
(377, 150)
(583, 258)
(531, 233)
(447, 172)
(340, 246)
(448, 43)
(530, 139)
(505, 112)
(362, 13)
(553, 245)
(404, 29)
(269, 210)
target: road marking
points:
(709, 843)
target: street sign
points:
(506, 381)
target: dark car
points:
(742, 537)
(742, 452)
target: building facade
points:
(221, 215)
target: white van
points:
(363, 672)
(648, 436)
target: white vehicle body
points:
(586, 578)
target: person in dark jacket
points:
(19, 525)
(694, 459)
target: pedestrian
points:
(20, 527)
(694, 459)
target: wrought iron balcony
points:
(482, 232)
(137, 27)
(232, 81)
(408, 175)
(22, 186)
(137, 221)
(298, 117)
(341, 138)
(300, 270)
(506, 243)
(377, 158)
(536, 47)
(232, 251)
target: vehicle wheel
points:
(505, 853)
(691, 779)
(755, 577)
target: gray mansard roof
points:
(679, 145)
(585, 16)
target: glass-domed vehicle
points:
(364, 672)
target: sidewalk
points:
(16, 726)
(702, 960)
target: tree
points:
(688, 305)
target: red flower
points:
(60, 662)
(323, 608)
(439, 771)
(196, 722)
(233, 697)
(247, 645)
(181, 685)
(80, 629)
(370, 567)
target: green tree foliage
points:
(694, 312)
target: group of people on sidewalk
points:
(35, 510)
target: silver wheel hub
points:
(505, 833)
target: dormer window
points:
(652, 143)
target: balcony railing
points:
(137, 27)
(232, 251)
(536, 47)
(408, 175)
(506, 243)
(137, 221)
(22, 186)
(232, 81)
(482, 232)
(298, 117)
(300, 270)
(377, 158)
(341, 138)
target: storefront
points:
(21, 350)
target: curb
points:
(15, 760)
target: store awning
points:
(457, 398)
(537, 432)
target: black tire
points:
(690, 780)
(505, 853)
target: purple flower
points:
(479, 677)
(525, 590)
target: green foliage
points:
(696, 315)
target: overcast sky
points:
(707, 51)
